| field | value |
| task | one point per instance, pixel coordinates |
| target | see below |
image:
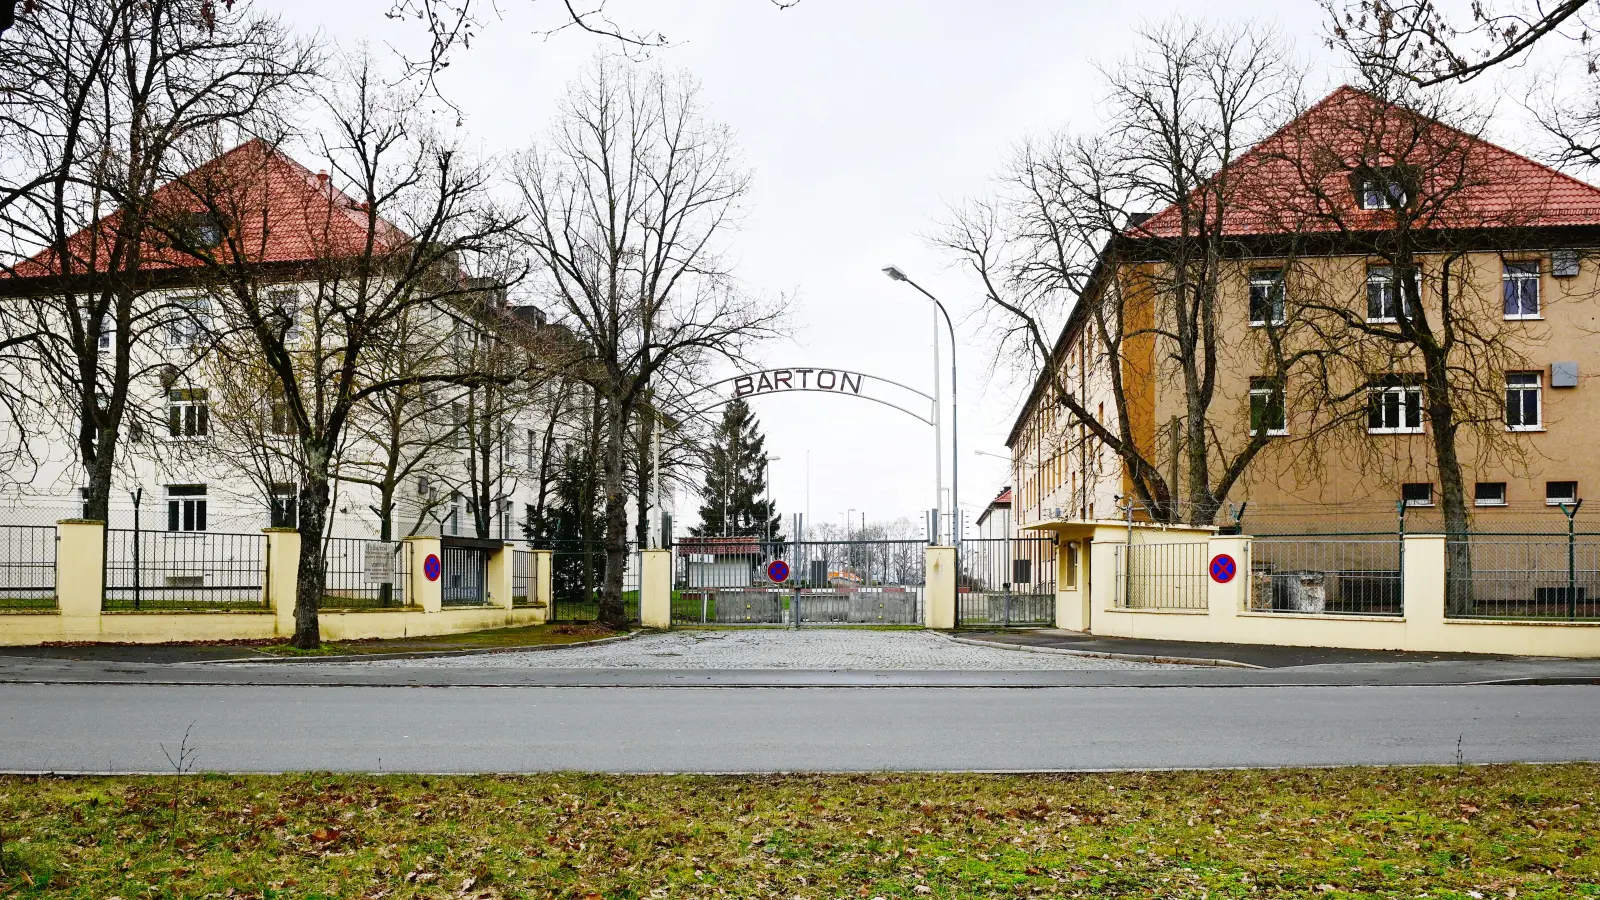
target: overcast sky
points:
(861, 119)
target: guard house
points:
(721, 562)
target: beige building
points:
(1319, 389)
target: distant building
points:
(995, 520)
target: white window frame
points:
(1416, 503)
(1401, 390)
(1377, 193)
(186, 509)
(1269, 278)
(190, 330)
(1479, 501)
(286, 301)
(191, 414)
(277, 494)
(1560, 501)
(1507, 277)
(1537, 389)
(1401, 302)
(1267, 391)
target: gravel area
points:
(814, 649)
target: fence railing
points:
(577, 575)
(27, 567)
(1528, 576)
(1324, 573)
(201, 570)
(524, 578)
(1006, 582)
(464, 580)
(1161, 576)
(353, 573)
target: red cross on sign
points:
(1223, 568)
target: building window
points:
(1394, 409)
(1267, 412)
(1385, 301)
(188, 413)
(190, 325)
(1382, 193)
(1521, 284)
(283, 312)
(1266, 297)
(204, 230)
(1522, 401)
(1417, 494)
(531, 443)
(1560, 493)
(186, 507)
(453, 515)
(1490, 493)
(284, 500)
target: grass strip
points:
(1514, 832)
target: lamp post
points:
(955, 472)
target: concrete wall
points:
(79, 617)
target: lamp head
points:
(895, 273)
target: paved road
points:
(65, 727)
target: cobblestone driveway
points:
(773, 648)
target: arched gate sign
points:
(800, 379)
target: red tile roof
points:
(279, 212)
(1289, 184)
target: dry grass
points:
(1520, 832)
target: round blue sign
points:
(430, 567)
(778, 571)
(1223, 568)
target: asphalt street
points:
(122, 728)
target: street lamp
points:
(955, 416)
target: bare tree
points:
(398, 240)
(1067, 243)
(628, 200)
(115, 92)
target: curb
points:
(1100, 654)
(269, 659)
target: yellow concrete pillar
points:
(939, 588)
(1073, 611)
(1422, 581)
(423, 591)
(1225, 600)
(283, 573)
(655, 588)
(80, 576)
(542, 598)
(501, 574)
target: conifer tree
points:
(733, 499)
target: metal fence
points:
(362, 574)
(1528, 576)
(725, 581)
(524, 578)
(1324, 573)
(204, 571)
(1161, 576)
(577, 575)
(27, 567)
(1006, 582)
(464, 574)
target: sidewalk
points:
(1253, 655)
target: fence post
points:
(423, 591)
(940, 588)
(1225, 600)
(500, 573)
(283, 575)
(80, 575)
(655, 588)
(542, 562)
(1422, 579)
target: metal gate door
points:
(465, 570)
(577, 576)
(1006, 583)
(724, 581)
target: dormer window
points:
(1382, 193)
(203, 230)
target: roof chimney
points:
(322, 179)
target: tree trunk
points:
(313, 500)
(612, 614)
(1452, 486)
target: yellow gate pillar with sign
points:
(427, 570)
(940, 588)
(655, 589)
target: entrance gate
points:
(723, 581)
(1006, 583)
(577, 574)
(464, 575)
